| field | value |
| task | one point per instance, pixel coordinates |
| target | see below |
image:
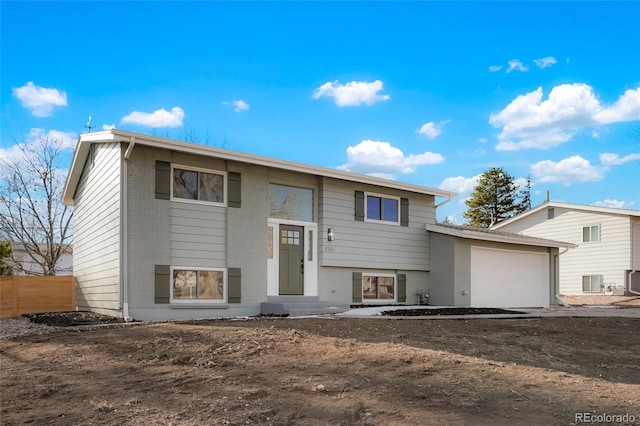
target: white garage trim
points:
(509, 278)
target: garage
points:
(509, 278)
(484, 268)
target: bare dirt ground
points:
(317, 371)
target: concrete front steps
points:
(296, 306)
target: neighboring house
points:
(29, 266)
(170, 230)
(607, 257)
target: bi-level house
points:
(607, 254)
(169, 230)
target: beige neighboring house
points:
(607, 257)
(20, 255)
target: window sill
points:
(198, 306)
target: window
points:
(591, 233)
(290, 202)
(592, 284)
(381, 208)
(198, 185)
(378, 287)
(269, 242)
(190, 285)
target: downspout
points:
(449, 198)
(125, 231)
(557, 276)
(629, 282)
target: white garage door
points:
(509, 279)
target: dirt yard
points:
(316, 371)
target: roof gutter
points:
(449, 198)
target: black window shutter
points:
(163, 283)
(404, 212)
(402, 288)
(234, 187)
(360, 205)
(163, 180)
(234, 288)
(357, 287)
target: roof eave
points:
(500, 238)
(114, 135)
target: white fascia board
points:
(568, 206)
(116, 135)
(500, 237)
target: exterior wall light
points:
(330, 235)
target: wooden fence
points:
(28, 294)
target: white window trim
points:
(203, 170)
(590, 240)
(390, 197)
(395, 287)
(600, 288)
(198, 301)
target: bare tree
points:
(31, 212)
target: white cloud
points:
(482, 140)
(531, 122)
(353, 93)
(158, 118)
(495, 68)
(570, 170)
(108, 126)
(626, 108)
(614, 203)
(40, 100)
(516, 65)
(66, 141)
(378, 158)
(432, 130)
(238, 105)
(611, 159)
(460, 184)
(545, 62)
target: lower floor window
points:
(198, 284)
(592, 283)
(378, 287)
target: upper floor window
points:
(198, 185)
(590, 233)
(382, 208)
(290, 202)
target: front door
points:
(291, 259)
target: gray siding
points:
(197, 234)
(635, 243)
(372, 245)
(442, 274)
(337, 283)
(247, 235)
(148, 229)
(96, 239)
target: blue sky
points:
(431, 93)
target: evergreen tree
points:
(5, 253)
(496, 198)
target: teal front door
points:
(291, 267)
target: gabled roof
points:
(131, 138)
(569, 206)
(485, 234)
